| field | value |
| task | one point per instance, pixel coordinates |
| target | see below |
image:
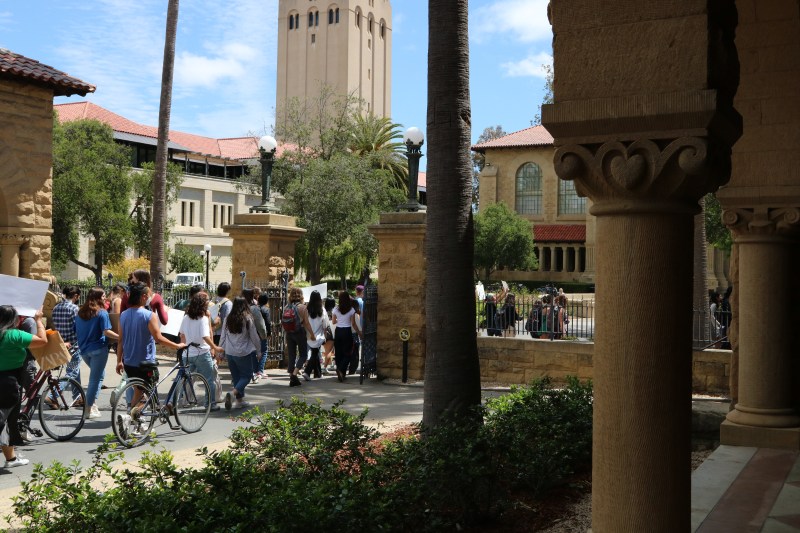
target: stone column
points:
(540, 255)
(10, 251)
(401, 292)
(576, 251)
(263, 246)
(553, 261)
(644, 142)
(765, 414)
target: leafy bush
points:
(304, 467)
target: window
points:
(297, 21)
(313, 38)
(358, 18)
(369, 25)
(183, 213)
(215, 220)
(369, 44)
(369, 74)
(230, 215)
(291, 22)
(569, 203)
(529, 190)
(310, 19)
(337, 15)
(191, 214)
(383, 30)
(330, 16)
(316, 18)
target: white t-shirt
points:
(343, 320)
(195, 330)
(318, 326)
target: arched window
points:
(369, 27)
(316, 18)
(291, 22)
(529, 190)
(383, 29)
(358, 18)
(569, 203)
(330, 16)
(337, 15)
(297, 21)
(310, 19)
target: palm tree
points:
(379, 140)
(452, 372)
(157, 255)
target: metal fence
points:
(533, 317)
(710, 330)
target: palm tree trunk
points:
(157, 256)
(452, 372)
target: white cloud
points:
(192, 70)
(531, 66)
(520, 20)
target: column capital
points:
(645, 175)
(13, 239)
(763, 223)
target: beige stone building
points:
(519, 172)
(346, 45)
(27, 88)
(208, 199)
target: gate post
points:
(263, 246)
(401, 276)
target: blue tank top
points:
(137, 342)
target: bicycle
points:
(61, 414)
(188, 400)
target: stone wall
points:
(519, 361)
(26, 148)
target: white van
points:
(190, 278)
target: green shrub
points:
(304, 467)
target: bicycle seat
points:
(147, 365)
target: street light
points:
(207, 250)
(413, 139)
(267, 146)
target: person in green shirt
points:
(13, 343)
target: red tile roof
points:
(18, 66)
(533, 136)
(559, 233)
(231, 148)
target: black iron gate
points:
(369, 346)
(277, 294)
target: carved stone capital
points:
(674, 172)
(13, 239)
(763, 222)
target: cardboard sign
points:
(322, 288)
(53, 354)
(26, 295)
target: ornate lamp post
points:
(413, 139)
(207, 250)
(267, 146)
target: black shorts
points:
(146, 375)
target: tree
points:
(379, 140)
(479, 160)
(143, 198)
(548, 94)
(452, 371)
(503, 240)
(334, 201)
(160, 178)
(184, 258)
(717, 234)
(92, 187)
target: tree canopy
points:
(717, 234)
(143, 202)
(92, 187)
(503, 240)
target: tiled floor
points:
(743, 490)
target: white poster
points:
(173, 325)
(26, 295)
(322, 288)
(214, 310)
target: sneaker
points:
(17, 461)
(294, 381)
(228, 401)
(94, 412)
(256, 377)
(243, 404)
(325, 371)
(306, 376)
(215, 407)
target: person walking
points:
(344, 318)
(64, 313)
(297, 334)
(249, 296)
(318, 319)
(239, 339)
(195, 332)
(13, 345)
(266, 316)
(223, 308)
(154, 300)
(93, 328)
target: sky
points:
(226, 57)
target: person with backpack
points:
(508, 316)
(297, 332)
(224, 307)
(534, 323)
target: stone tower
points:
(346, 44)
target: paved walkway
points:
(747, 490)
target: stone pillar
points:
(576, 254)
(553, 261)
(644, 142)
(263, 246)
(10, 252)
(540, 256)
(765, 414)
(401, 293)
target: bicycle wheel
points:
(132, 427)
(61, 408)
(192, 402)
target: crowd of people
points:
(547, 318)
(319, 337)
